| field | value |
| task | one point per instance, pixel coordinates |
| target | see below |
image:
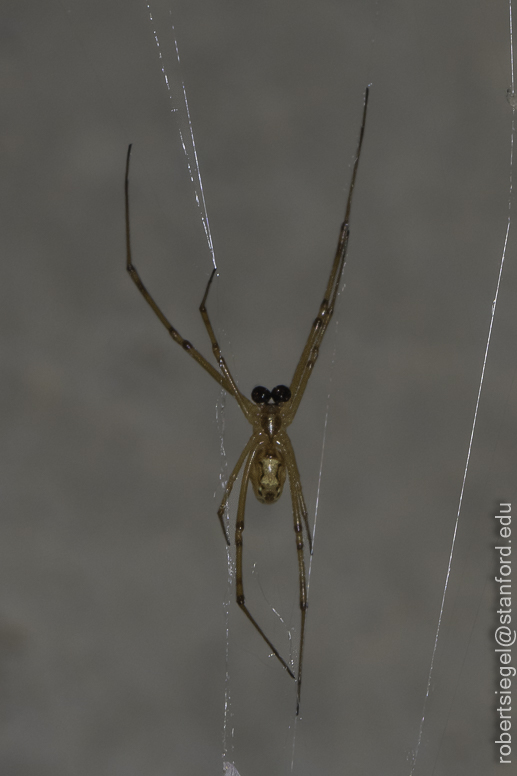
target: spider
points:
(268, 457)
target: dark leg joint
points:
(202, 307)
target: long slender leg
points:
(244, 403)
(310, 351)
(231, 482)
(294, 477)
(176, 336)
(303, 510)
(294, 483)
(239, 528)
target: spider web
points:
(512, 102)
(187, 140)
(177, 93)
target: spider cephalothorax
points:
(268, 457)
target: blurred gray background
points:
(113, 569)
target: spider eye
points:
(260, 395)
(280, 394)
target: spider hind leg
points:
(239, 528)
(299, 514)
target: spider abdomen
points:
(268, 475)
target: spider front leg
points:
(239, 528)
(243, 402)
(310, 352)
(223, 379)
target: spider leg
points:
(244, 403)
(231, 482)
(319, 327)
(294, 477)
(303, 510)
(295, 486)
(239, 528)
(176, 336)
